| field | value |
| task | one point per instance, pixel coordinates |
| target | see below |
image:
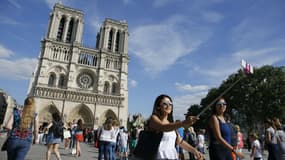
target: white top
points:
(166, 149)
(280, 134)
(201, 140)
(106, 135)
(123, 139)
(258, 152)
(114, 135)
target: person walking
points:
(55, 132)
(23, 126)
(220, 147)
(256, 151)
(161, 120)
(269, 134)
(191, 138)
(105, 141)
(78, 137)
(114, 138)
(240, 140)
(201, 141)
(3, 108)
(279, 140)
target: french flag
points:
(247, 68)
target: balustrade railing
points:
(77, 96)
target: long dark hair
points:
(156, 107)
(214, 110)
(80, 124)
(56, 117)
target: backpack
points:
(192, 139)
(57, 129)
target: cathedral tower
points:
(77, 81)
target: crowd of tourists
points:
(164, 137)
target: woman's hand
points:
(240, 155)
(198, 155)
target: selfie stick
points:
(209, 105)
(247, 68)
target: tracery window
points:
(106, 88)
(114, 88)
(51, 80)
(61, 82)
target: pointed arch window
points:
(114, 88)
(106, 88)
(60, 29)
(69, 31)
(61, 82)
(51, 80)
(117, 42)
(110, 40)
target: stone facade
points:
(77, 81)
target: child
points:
(256, 152)
(123, 141)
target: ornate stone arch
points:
(83, 112)
(107, 114)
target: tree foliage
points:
(255, 97)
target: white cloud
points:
(160, 45)
(17, 69)
(5, 52)
(7, 20)
(182, 103)
(190, 88)
(133, 83)
(51, 3)
(15, 4)
(160, 3)
(95, 23)
(262, 56)
(212, 16)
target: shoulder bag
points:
(147, 146)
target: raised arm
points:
(156, 124)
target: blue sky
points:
(178, 47)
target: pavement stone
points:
(38, 152)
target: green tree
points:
(254, 98)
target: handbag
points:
(4, 145)
(96, 144)
(147, 146)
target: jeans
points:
(113, 154)
(105, 148)
(17, 149)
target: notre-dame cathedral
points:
(77, 81)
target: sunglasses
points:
(221, 104)
(167, 104)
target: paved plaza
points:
(38, 151)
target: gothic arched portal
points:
(107, 114)
(81, 112)
(45, 115)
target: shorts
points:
(79, 137)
